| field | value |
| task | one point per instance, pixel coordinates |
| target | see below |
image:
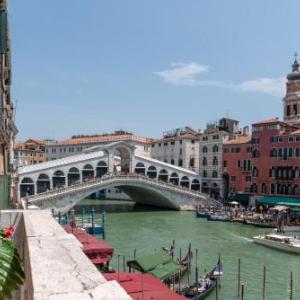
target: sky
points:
(96, 66)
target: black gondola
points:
(205, 285)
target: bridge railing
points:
(109, 177)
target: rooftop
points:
(244, 139)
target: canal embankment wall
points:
(55, 266)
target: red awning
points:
(153, 288)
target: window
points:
(255, 141)
(215, 161)
(180, 142)
(226, 150)
(257, 128)
(238, 163)
(173, 143)
(274, 127)
(204, 149)
(255, 172)
(205, 138)
(297, 138)
(153, 145)
(215, 148)
(273, 153)
(159, 145)
(225, 163)
(193, 141)
(290, 152)
(263, 188)
(204, 173)
(216, 137)
(165, 144)
(291, 139)
(215, 174)
(172, 161)
(255, 153)
(180, 151)
(180, 163)
(192, 162)
(248, 178)
(297, 152)
(204, 161)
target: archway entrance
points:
(122, 160)
(43, 183)
(174, 178)
(73, 176)
(101, 169)
(26, 187)
(195, 186)
(140, 168)
(87, 172)
(185, 182)
(58, 179)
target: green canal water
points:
(150, 230)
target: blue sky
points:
(84, 67)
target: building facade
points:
(8, 129)
(237, 156)
(30, 152)
(211, 154)
(179, 147)
(77, 144)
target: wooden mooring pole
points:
(239, 278)
(291, 286)
(264, 284)
(242, 292)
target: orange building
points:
(30, 152)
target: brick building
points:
(273, 151)
(237, 165)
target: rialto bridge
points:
(60, 184)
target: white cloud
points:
(188, 74)
(182, 73)
(271, 86)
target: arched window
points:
(26, 187)
(101, 169)
(204, 149)
(255, 153)
(185, 182)
(263, 188)
(255, 172)
(204, 173)
(73, 176)
(215, 161)
(152, 173)
(140, 168)
(192, 162)
(215, 174)
(163, 175)
(215, 148)
(59, 179)
(273, 153)
(253, 188)
(172, 161)
(195, 186)
(272, 188)
(290, 152)
(43, 183)
(180, 162)
(280, 152)
(87, 172)
(297, 152)
(174, 178)
(204, 161)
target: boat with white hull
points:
(279, 242)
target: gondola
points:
(206, 284)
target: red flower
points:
(8, 232)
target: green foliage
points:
(11, 271)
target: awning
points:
(239, 197)
(280, 200)
(159, 264)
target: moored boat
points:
(205, 285)
(280, 242)
(218, 217)
(261, 223)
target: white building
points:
(211, 154)
(178, 147)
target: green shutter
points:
(5, 182)
(3, 32)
